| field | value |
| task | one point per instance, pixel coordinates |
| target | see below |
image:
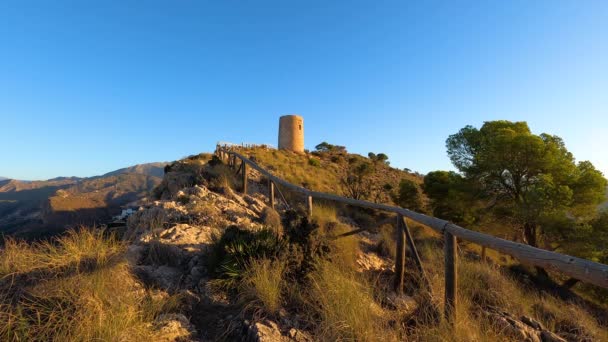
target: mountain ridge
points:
(34, 208)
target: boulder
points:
(266, 331)
(164, 277)
(547, 336)
(173, 327)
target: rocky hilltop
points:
(181, 244)
(199, 260)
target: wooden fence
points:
(581, 269)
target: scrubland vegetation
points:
(564, 224)
(314, 273)
(308, 273)
(77, 287)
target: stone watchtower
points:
(291, 133)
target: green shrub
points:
(314, 162)
(183, 199)
(236, 248)
(271, 219)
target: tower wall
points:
(291, 133)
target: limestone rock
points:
(267, 331)
(532, 322)
(547, 336)
(255, 204)
(165, 277)
(523, 329)
(134, 254)
(372, 262)
(173, 327)
(403, 303)
(299, 335)
(190, 238)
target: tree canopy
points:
(408, 196)
(380, 157)
(450, 195)
(327, 147)
(532, 178)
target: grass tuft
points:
(77, 287)
(345, 306)
(262, 286)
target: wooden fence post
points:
(400, 256)
(309, 204)
(416, 256)
(451, 276)
(244, 176)
(271, 193)
(483, 253)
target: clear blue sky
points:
(87, 87)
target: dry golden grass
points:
(76, 288)
(223, 177)
(74, 247)
(345, 306)
(262, 286)
(345, 250)
(324, 174)
(482, 285)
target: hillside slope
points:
(204, 237)
(327, 171)
(39, 208)
(240, 270)
(149, 169)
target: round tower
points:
(291, 133)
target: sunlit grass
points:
(77, 287)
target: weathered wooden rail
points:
(581, 269)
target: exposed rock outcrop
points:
(523, 329)
(174, 327)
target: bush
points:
(409, 195)
(237, 248)
(183, 199)
(314, 162)
(221, 177)
(271, 219)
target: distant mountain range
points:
(39, 208)
(150, 169)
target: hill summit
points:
(200, 260)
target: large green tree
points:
(452, 198)
(408, 196)
(532, 179)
